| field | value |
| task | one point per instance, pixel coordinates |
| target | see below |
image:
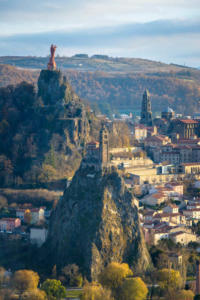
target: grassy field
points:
(74, 293)
(37, 197)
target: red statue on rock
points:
(52, 64)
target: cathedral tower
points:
(146, 114)
(104, 146)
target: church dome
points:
(168, 110)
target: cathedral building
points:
(146, 113)
(168, 114)
(185, 128)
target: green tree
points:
(48, 173)
(169, 281)
(54, 289)
(94, 291)
(25, 280)
(72, 275)
(133, 289)
(114, 274)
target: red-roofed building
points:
(152, 130)
(183, 238)
(171, 208)
(154, 199)
(176, 153)
(9, 224)
(176, 187)
(190, 142)
(168, 217)
(185, 128)
(156, 141)
(37, 214)
(192, 213)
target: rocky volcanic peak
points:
(44, 132)
(51, 87)
(65, 106)
(96, 222)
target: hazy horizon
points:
(168, 32)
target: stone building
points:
(97, 153)
(140, 132)
(146, 114)
(168, 114)
(185, 128)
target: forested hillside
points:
(40, 132)
(12, 75)
(117, 83)
(181, 91)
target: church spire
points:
(146, 114)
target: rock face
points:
(95, 223)
(54, 89)
(45, 132)
(65, 106)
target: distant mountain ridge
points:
(82, 62)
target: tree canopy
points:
(25, 280)
(54, 289)
(114, 274)
(185, 295)
(133, 289)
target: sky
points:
(161, 30)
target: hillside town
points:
(146, 194)
(158, 170)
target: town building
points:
(185, 128)
(9, 224)
(154, 199)
(175, 153)
(183, 238)
(190, 168)
(97, 153)
(152, 130)
(177, 187)
(168, 114)
(140, 132)
(193, 213)
(38, 235)
(171, 209)
(156, 141)
(37, 214)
